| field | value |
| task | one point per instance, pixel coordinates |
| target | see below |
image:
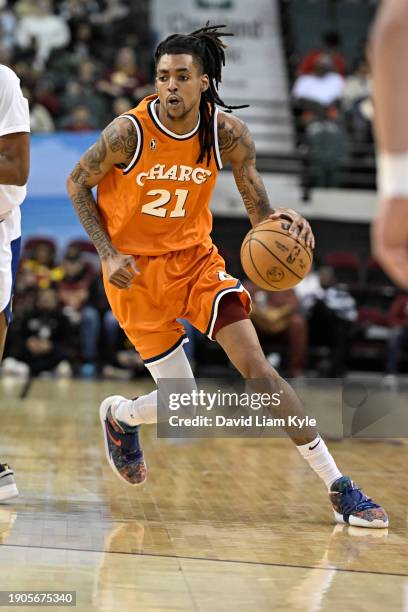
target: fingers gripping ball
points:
(272, 258)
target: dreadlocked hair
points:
(207, 47)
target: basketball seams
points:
(283, 234)
(277, 258)
(257, 271)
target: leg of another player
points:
(8, 487)
(3, 333)
(240, 342)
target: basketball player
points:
(389, 54)
(14, 166)
(156, 168)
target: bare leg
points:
(240, 342)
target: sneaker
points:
(8, 487)
(12, 367)
(122, 444)
(63, 370)
(390, 382)
(88, 370)
(351, 506)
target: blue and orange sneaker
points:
(351, 506)
(122, 444)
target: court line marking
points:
(187, 558)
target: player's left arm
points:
(14, 158)
(238, 149)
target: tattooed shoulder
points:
(95, 155)
(121, 137)
(232, 134)
(80, 175)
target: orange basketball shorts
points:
(185, 284)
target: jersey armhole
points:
(216, 147)
(139, 145)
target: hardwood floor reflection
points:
(220, 524)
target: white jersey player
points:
(14, 166)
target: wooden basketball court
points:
(220, 525)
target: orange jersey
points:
(160, 202)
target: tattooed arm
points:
(116, 146)
(238, 149)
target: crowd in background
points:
(62, 323)
(80, 63)
(83, 63)
(333, 110)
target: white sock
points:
(320, 460)
(138, 411)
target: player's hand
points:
(390, 239)
(121, 269)
(299, 227)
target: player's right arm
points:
(389, 55)
(116, 146)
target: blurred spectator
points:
(81, 92)
(7, 25)
(357, 103)
(40, 262)
(5, 55)
(332, 314)
(125, 79)
(112, 21)
(357, 86)
(124, 362)
(114, 10)
(43, 339)
(74, 295)
(45, 94)
(276, 314)
(83, 44)
(120, 106)
(317, 95)
(330, 43)
(398, 339)
(40, 119)
(61, 50)
(316, 99)
(43, 30)
(78, 10)
(79, 120)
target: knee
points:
(257, 366)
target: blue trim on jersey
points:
(170, 350)
(225, 290)
(15, 247)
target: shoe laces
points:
(354, 500)
(130, 439)
(4, 467)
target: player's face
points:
(179, 84)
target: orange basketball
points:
(272, 259)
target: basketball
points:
(272, 258)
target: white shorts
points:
(10, 244)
